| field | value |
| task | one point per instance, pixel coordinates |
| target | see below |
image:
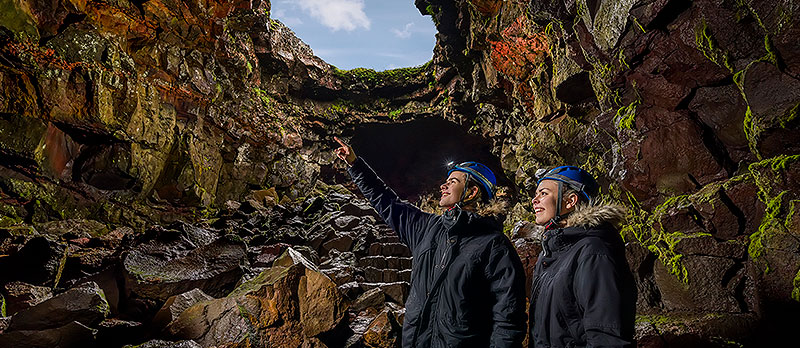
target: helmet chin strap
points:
(461, 202)
(553, 223)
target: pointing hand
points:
(345, 152)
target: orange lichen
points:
(45, 57)
(519, 56)
(521, 50)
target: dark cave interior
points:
(412, 157)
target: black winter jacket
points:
(583, 292)
(467, 281)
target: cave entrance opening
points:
(412, 157)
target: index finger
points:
(340, 141)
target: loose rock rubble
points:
(321, 273)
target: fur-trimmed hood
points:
(597, 215)
(588, 216)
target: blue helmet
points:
(478, 172)
(576, 178)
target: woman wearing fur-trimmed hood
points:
(583, 292)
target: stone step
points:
(378, 275)
(388, 238)
(380, 261)
(389, 249)
(396, 291)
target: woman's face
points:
(544, 202)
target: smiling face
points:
(544, 203)
(452, 188)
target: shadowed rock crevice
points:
(667, 15)
(714, 145)
(70, 19)
(741, 217)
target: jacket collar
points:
(464, 222)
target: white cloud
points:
(346, 15)
(405, 33)
(289, 21)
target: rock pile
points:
(322, 273)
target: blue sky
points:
(376, 34)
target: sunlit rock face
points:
(154, 148)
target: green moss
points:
(61, 264)
(626, 115)
(704, 39)
(790, 117)
(243, 312)
(639, 25)
(648, 230)
(396, 113)
(767, 174)
(274, 24)
(622, 61)
(793, 207)
(507, 228)
(772, 55)
(660, 321)
(2, 306)
(768, 224)
(371, 77)
(784, 18)
(431, 10)
(751, 131)
(17, 17)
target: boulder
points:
(74, 227)
(288, 304)
(38, 262)
(73, 334)
(384, 331)
(158, 270)
(85, 304)
(773, 98)
(714, 284)
(686, 329)
(116, 332)
(373, 298)
(20, 296)
(175, 305)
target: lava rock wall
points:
(685, 110)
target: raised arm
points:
(408, 221)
